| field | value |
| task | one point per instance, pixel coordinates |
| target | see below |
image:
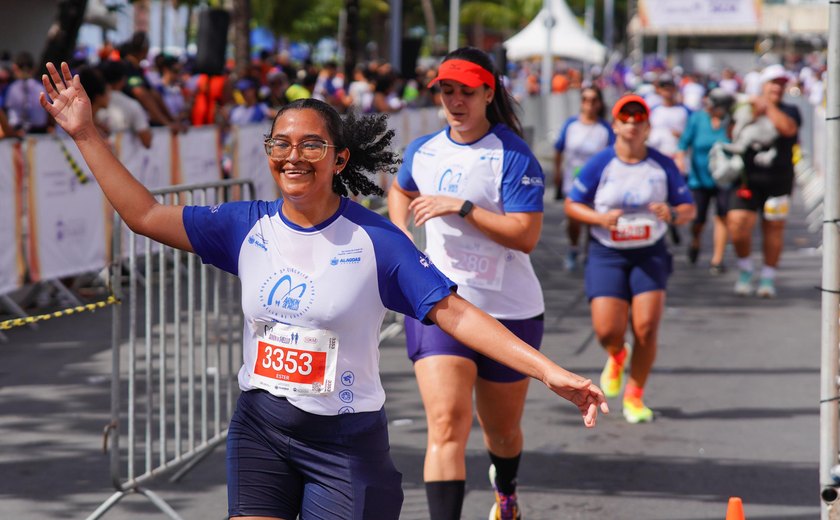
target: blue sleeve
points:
(408, 281)
(216, 233)
(523, 181)
(404, 178)
(678, 192)
(560, 145)
(586, 183)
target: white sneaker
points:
(743, 286)
(766, 288)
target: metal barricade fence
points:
(173, 383)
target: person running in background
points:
(705, 128)
(478, 191)
(330, 407)
(767, 188)
(581, 137)
(629, 194)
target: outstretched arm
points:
(482, 333)
(66, 101)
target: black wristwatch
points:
(674, 215)
(465, 209)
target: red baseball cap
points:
(466, 72)
(626, 100)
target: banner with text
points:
(250, 161)
(9, 218)
(67, 218)
(717, 14)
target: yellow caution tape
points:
(19, 322)
(80, 174)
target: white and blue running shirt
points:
(341, 276)
(578, 142)
(606, 182)
(497, 173)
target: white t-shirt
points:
(123, 114)
(340, 276)
(500, 174)
(606, 183)
(667, 123)
(578, 142)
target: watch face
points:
(466, 208)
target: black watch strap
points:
(465, 209)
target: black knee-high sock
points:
(506, 470)
(445, 497)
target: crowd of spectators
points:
(135, 90)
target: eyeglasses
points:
(637, 117)
(309, 151)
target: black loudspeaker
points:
(212, 41)
(408, 56)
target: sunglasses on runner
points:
(309, 151)
(636, 117)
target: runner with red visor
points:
(629, 194)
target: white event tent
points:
(568, 39)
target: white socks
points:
(745, 264)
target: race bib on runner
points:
(481, 266)
(293, 361)
(631, 230)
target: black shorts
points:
(703, 198)
(759, 195)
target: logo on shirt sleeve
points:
(532, 181)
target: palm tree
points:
(241, 35)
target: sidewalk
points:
(735, 388)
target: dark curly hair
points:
(367, 138)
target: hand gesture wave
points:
(66, 101)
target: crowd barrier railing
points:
(176, 349)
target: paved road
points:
(735, 389)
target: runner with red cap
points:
(478, 191)
(629, 194)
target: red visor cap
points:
(466, 72)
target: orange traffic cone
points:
(735, 510)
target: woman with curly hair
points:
(478, 191)
(309, 436)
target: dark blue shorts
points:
(624, 273)
(284, 462)
(429, 340)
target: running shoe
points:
(506, 506)
(766, 288)
(744, 287)
(635, 411)
(717, 269)
(693, 254)
(612, 377)
(570, 262)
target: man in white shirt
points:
(123, 114)
(668, 119)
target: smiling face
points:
(465, 108)
(301, 181)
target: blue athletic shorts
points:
(624, 273)
(429, 340)
(284, 462)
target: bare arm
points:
(785, 124)
(147, 98)
(69, 105)
(520, 231)
(482, 333)
(587, 215)
(398, 201)
(558, 171)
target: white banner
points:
(68, 221)
(709, 14)
(9, 279)
(252, 163)
(152, 166)
(199, 158)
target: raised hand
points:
(66, 101)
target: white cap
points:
(773, 72)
